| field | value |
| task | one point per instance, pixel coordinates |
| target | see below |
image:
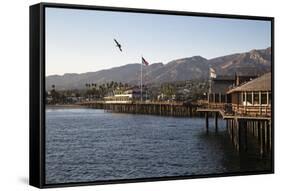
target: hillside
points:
(196, 67)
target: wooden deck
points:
(234, 116)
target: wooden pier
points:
(240, 127)
(150, 108)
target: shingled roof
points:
(262, 83)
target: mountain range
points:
(254, 62)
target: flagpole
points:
(141, 80)
(145, 82)
(145, 76)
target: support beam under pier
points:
(216, 121)
(207, 121)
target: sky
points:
(79, 41)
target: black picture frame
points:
(37, 89)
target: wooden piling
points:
(259, 130)
(245, 136)
(270, 134)
(253, 127)
(239, 135)
(216, 121)
(207, 121)
(261, 139)
(232, 131)
(265, 136)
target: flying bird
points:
(118, 45)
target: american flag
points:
(144, 61)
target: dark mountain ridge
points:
(253, 62)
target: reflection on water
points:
(89, 145)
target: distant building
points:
(126, 96)
(253, 97)
(220, 84)
(218, 87)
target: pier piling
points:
(207, 121)
(216, 121)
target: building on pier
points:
(252, 98)
(220, 84)
(218, 88)
(247, 113)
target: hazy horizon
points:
(79, 41)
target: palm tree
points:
(115, 84)
(111, 84)
(55, 95)
(126, 85)
(87, 92)
(120, 84)
(93, 85)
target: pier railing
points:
(236, 109)
(262, 110)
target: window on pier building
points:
(243, 98)
(249, 98)
(223, 98)
(264, 98)
(256, 98)
(217, 97)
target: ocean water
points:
(93, 145)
